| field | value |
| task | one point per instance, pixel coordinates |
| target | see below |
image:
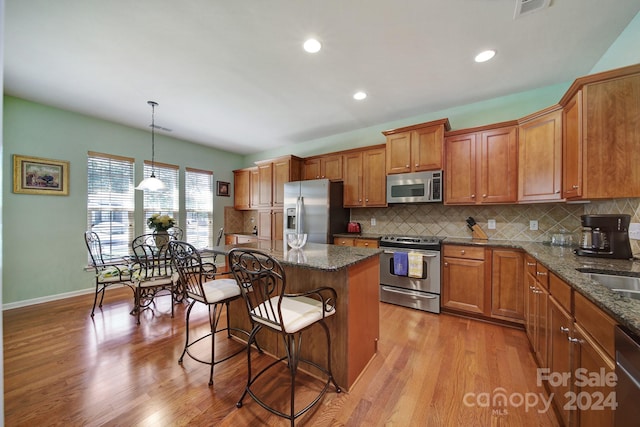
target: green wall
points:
(43, 244)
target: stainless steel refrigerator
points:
(314, 207)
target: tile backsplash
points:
(436, 219)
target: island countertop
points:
(316, 256)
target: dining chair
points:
(151, 273)
(262, 281)
(202, 285)
(106, 274)
(175, 233)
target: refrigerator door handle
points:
(299, 224)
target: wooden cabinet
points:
(507, 285)
(272, 175)
(560, 353)
(355, 241)
(536, 309)
(415, 148)
(364, 178)
(328, 166)
(601, 133)
(234, 239)
(255, 187)
(270, 224)
(242, 189)
(464, 277)
(540, 156)
(481, 166)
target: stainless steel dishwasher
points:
(628, 373)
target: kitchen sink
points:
(624, 285)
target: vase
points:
(162, 238)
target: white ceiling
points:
(233, 75)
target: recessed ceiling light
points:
(312, 46)
(359, 96)
(485, 56)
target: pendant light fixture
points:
(152, 183)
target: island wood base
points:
(354, 329)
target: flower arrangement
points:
(159, 222)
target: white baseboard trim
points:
(40, 300)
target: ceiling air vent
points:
(525, 7)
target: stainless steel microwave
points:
(416, 187)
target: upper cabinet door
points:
(460, 169)
(399, 153)
(540, 158)
(426, 148)
(572, 148)
(498, 166)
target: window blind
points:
(164, 202)
(110, 202)
(199, 207)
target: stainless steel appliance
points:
(416, 187)
(605, 236)
(421, 293)
(314, 207)
(628, 378)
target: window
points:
(162, 202)
(199, 207)
(110, 202)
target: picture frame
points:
(222, 188)
(37, 175)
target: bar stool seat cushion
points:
(297, 313)
(220, 290)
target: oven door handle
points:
(403, 292)
(423, 255)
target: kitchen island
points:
(354, 273)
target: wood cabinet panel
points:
(242, 189)
(255, 187)
(364, 178)
(365, 243)
(462, 251)
(562, 292)
(600, 326)
(416, 148)
(560, 358)
(507, 284)
(498, 166)
(540, 157)
(460, 169)
(329, 167)
(463, 285)
(265, 184)
(343, 241)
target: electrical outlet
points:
(634, 231)
(533, 225)
(491, 224)
(373, 222)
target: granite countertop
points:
(564, 263)
(318, 256)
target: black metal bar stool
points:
(263, 282)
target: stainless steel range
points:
(416, 287)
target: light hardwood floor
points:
(62, 367)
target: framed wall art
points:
(35, 175)
(223, 188)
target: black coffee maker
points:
(605, 236)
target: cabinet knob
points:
(533, 288)
(541, 273)
(446, 264)
(366, 244)
(531, 264)
(473, 196)
(406, 166)
(484, 196)
(462, 252)
(564, 330)
(557, 191)
(574, 340)
(416, 165)
(322, 176)
(575, 187)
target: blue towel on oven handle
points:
(400, 263)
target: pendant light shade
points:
(152, 183)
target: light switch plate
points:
(634, 231)
(533, 225)
(491, 224)
(373, 222)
